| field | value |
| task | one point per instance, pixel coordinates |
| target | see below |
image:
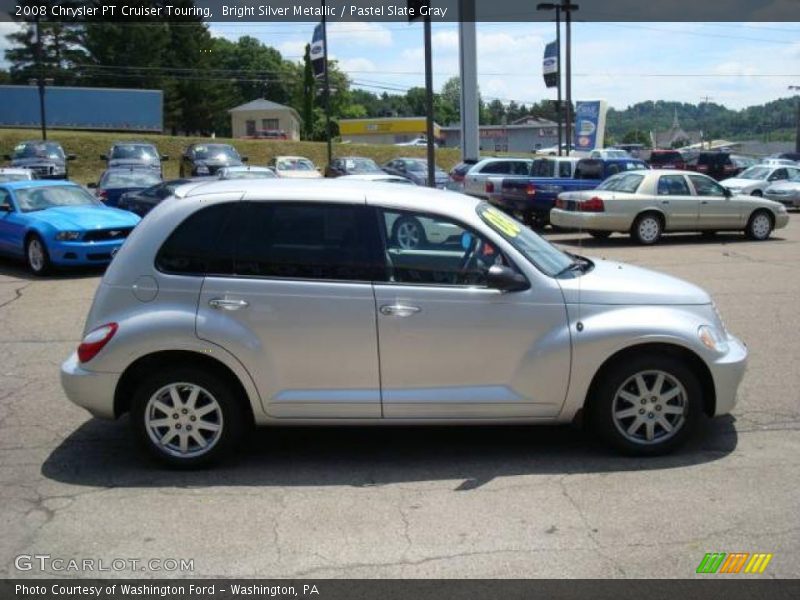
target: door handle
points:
(704, 202)
(665, 202)
(399, 310)
(228, 303)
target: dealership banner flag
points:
(318, 52)
(550, 64)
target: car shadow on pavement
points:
(104, 454)
(625, 241)
(17, 270)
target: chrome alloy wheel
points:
(649, 229)
(761, 226)
(183, 420)
(650, 407)
(36, 255)
(409, 235)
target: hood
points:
(623, 284)
(736, 182)
(82, 218)
(36, 161)
(133, 162)
(219, 162)
(299, 174)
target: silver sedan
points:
(237, 304)
(648, 203)
(785, 192)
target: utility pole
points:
(797, 135)
(559, 107)
(705, 100)
(429, 104)
(327, 84)
(40, 78)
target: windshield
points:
(295, 164)
(540, 252)
(40, 198)
(759, 173)
(625, 182)
(134, 151)
(39, 150)
(129, 179)
(361, 165)
(216, 151)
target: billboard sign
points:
(590, 124)
(550, 64)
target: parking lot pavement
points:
(411, 502)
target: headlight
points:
(68, 236)
(202, 169)
(712, 338)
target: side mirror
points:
(164, 157)
(506, 279)
(71, 157)
(91, 185)
(7, 156)
(5, 208)
(245, 158)
(727, 192)
(104, 157)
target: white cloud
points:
(6, 28)
(355, 65)
(358, 33)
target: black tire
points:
(604, 402)
(399, 238)
(760, 225)
(600, 235)
(647, 228)
(37, 267)
(232, 421)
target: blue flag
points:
(318, 52)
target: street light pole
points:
(40, 79)
(567, 7)
(797, 135)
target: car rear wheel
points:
(186, 417)
(759, 226)
(408, 233)
(647, 229)
(646, 406)
(36, 255)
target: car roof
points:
(132, 143)
(37, 183)
(38, 142)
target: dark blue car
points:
(114, 183)
(59, 223)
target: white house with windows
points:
(265, 119)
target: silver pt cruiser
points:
(246, 302)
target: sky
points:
(733, 64)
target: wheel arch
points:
(165, 358)
(695, 362)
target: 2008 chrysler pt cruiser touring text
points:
(241, 303)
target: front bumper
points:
(80, 253)
(727, 371)
(89, 390)
(781, 220)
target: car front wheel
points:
(36, 255)
(759, 226)
(186, 417)
(646, 406)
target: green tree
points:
(636, 136)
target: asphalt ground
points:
(413, 502)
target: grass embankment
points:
(89, 145)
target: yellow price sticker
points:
(502, 222)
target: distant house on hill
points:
(265, 119)
(675, 136)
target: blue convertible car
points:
(59, 223)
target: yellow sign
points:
(408, 126)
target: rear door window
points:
(303, 240)
(673, 185)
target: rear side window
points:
(498, 167)
(565, 169)
(203, 243)
(542, 168)
(309, 241)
